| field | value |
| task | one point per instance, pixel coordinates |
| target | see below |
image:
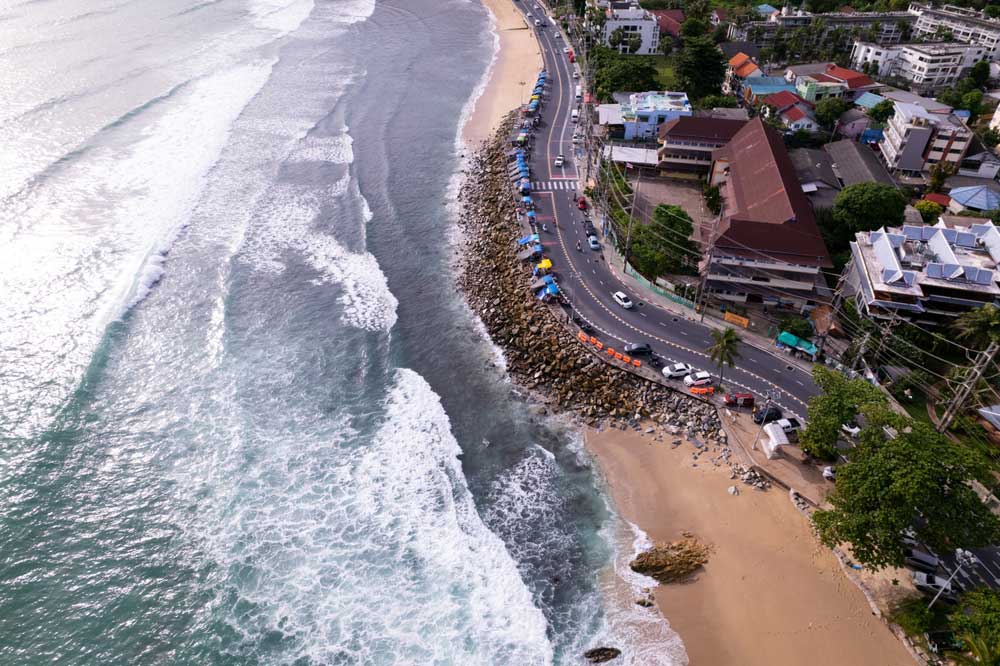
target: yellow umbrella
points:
(545, 263)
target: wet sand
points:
(770, 595)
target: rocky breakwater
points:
(542, 354)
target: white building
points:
(929, 66)
(915, 139)
(965, 25)
(633, 21)
(995, 123)
(640, 114)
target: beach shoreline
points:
(515, 64)
(771, 594)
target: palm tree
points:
(723, 350)
(979, 327)
(980, 652)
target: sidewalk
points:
(617, 264)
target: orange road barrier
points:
(703, 390)
(599, 345)
(626, 359)
(611, 352)
(637, 363)
(618, 356)
(593, 340)
(582, 336)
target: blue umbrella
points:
(531, 213)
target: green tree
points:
(951, 97)
(915, 480)
(634, 43)
(981, 652)
(717, 102)
(838, 404)
(939, 174)
(614, 72)
(797, 326)
(993, 11)
(664, 245)
(701, 67)
(990, 137)
(696, 9)
(882, 111)
(720, 33)
(713, 198)
(868, 206)
(973, 103)
(829, 109)
(980, 73)
(724, 349)
(979, 327)
(615, 38)
(930, 211)
(978, 614)
(693, 27)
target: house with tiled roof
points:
(767, 247)
(740, 68)
(718, 16)
(687, 143)
(855, 83)
(669, 20)
(795, 113)
(757, 88)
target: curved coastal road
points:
(585, 276)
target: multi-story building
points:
(816, 87)
(889, 27)
(687, 143)
(925, 274)
(741, 67)
(767, 247)
(963, 24)
(915, 140)
(995, 121)
(632, 21)
(639, 114)
(927, 66)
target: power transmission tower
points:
(968, 385)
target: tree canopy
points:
(664, 245)
(701, 67)
(717, 102)
(882, 111)
(614, 71)
(979, 327)
(914, 481)
(978, 614)
(868, 206)
(838, 404)
(980, 73)
(829, 109)
(930, 211)
(724, 349)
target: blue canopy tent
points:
(524, 240)
(527, 200)
(531, 214)
(548, 279)
(525, 186)
(789, 340)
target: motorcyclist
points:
(579, 248)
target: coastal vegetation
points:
(840, 402)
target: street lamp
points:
(521, 83)
(962, 558)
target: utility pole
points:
(838, 297)
(968, 385)
(631, 216)
(702, 300)
(861, 351)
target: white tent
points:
(774, 439)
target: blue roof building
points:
(977, 197)
(868, 100)
(757, 88)
(765, 9)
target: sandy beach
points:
(518, 60)
(770, 595)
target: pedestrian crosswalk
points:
(554, 185)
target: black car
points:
(762, 415)
(638, 349)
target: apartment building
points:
(915, 140)
(927, 66)
(633, 21)
(889, 26)
(687, 143)
(636, 116)
(767, 247)
(925, 274)
(965, 25)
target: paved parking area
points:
(652, 192)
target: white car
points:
(565, 49)
(560, 160)
(622, 300)
(700, 378)
(931, 584)
(576, 74)
(677, 370)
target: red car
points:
(738, 400)
(572, 58)
(581, 203)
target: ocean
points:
(246, 415)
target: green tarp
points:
(789, 340)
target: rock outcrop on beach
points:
(672, 562)
(601, 654)
(542, 354)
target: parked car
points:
(921, 561)
(830, 473)
(622, 300)
(789, 425)
(700, 378)
(588, 227)
(930, 585)
(677, 370)
(638, 348)
(593, 243)
(576, 74)
(771, 413)
(738, 400)
(538, 23)
(565, 49)
(560, 160)
(581, 203)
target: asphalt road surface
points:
(585, 276)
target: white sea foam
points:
(336, 148)
(282, 16)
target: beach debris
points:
(645, 602)
(599, 655)
(672, 562)
(733, 490)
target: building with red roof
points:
(669, 20)
(855, 83)
(768, 247)
(741, 67)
